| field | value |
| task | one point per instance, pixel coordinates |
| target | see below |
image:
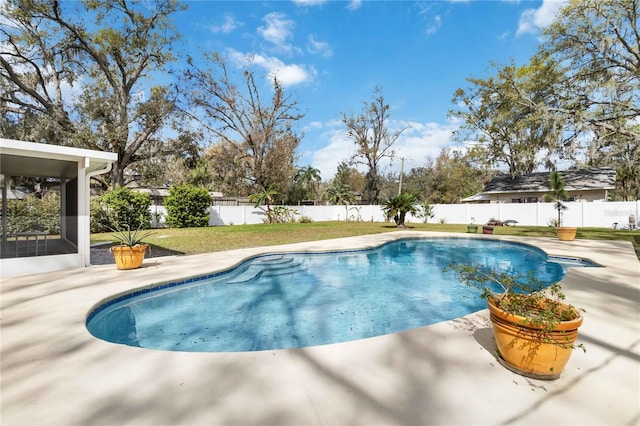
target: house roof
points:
(477, 197)
(574, 180)
(19, 158)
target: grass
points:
(220, 238)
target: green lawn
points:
(220, 238)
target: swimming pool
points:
(290, 300)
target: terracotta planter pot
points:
(565, 233)
(472, 229)
(523, 350)
(487, 229)
(129, 257)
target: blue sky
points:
(330, 55)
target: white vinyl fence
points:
(592, 214)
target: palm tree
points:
(340, 194)
(559, 193)
(307, 178)
(267, 197)
(397, 207)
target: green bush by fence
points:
(187, 206)
(120, 208)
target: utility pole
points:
(401, 173)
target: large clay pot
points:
(565, 233)
(523, 350)
(129, 257)
(487, 229)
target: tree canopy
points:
(500, 124)
(578, 98)
(373, 139)
(254, 138)
(102, 50)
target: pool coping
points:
(55, 372)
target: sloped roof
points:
(574, 180)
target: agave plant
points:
(128, 237)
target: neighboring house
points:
(581, 185)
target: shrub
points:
(34, 214)
(120, 208)
(187, 206)
(98, 221)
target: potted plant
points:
(559, 194)
(534, 330)
(129, 253)
(487, 229)
(472, 228)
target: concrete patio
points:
(55, 373)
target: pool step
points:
(268, 267)
(290, 268)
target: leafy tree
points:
(349, 176)
(418, 180)
(373, 139)
(307, 178)
(255, 140)
(503, 128)
(187, 206)
(596, 43)
(624, 155)
(175, 161)
(447, 179)
(106, 48)
(338, 194)
(397, 207)
(579, 95)
(200, 175)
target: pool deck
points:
(55, 373)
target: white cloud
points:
(319, 47)
(420, 141)
(435, 25)
(230, 24)
(339, 149)
(287, 74)
(417, 143)
(278, 30)
(309, 2)
(313, 125)
(354, 4)
(533, 20)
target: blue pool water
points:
(295, 300)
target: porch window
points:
(32, 219)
